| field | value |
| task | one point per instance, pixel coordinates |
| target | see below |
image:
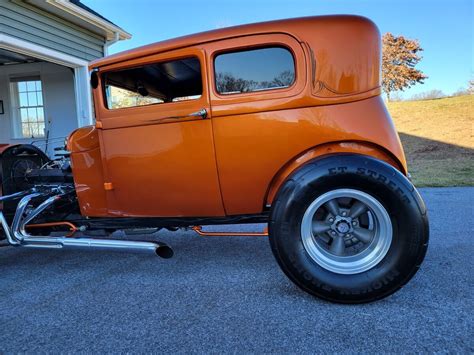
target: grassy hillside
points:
(438, 139)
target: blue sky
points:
(444, 28)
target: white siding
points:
(29, 23)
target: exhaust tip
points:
(164, 251)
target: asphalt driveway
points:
(228, 295)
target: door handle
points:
(201, 113)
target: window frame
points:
(103, 89)
(247, 49)
(16, 121)
(261, 101)
(154, 114)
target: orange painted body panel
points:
(260, 144)
(155, 161)
(169, 171)
(86, 163)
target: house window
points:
(151, 84)
(254, 70)
(28, 106)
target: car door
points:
(156, 137)
(257, 86)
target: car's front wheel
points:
(349, 229)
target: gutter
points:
(107, 44)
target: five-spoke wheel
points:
(345, 235)
(346, 231)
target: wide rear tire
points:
(349, 229)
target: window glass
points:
(152, 84)
(254, 70)
(30, 114)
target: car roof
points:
(296, 27)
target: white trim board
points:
(18, 45)
(109, 28)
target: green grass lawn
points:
(437, 136)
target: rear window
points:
(254, 70)
(151, 84)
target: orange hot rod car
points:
(280, 122)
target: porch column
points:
(83, 96)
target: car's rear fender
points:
(323, 150)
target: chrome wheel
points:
(346, 231)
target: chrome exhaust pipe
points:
(3, 222)
(158, 248)
(18, 236)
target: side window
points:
(152, 84)
(254, 70)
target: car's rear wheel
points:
(346, 231)
(349, 229)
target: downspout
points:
(109, 43)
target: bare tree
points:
(429, 95)
(226, 82)
(285, 78)
(396, 96)
(461, 92)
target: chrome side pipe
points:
(18, 236)
(6, 228)
(3, 222)
(158, 248)
(20, 215)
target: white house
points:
(45, 47)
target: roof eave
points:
(110, 29)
